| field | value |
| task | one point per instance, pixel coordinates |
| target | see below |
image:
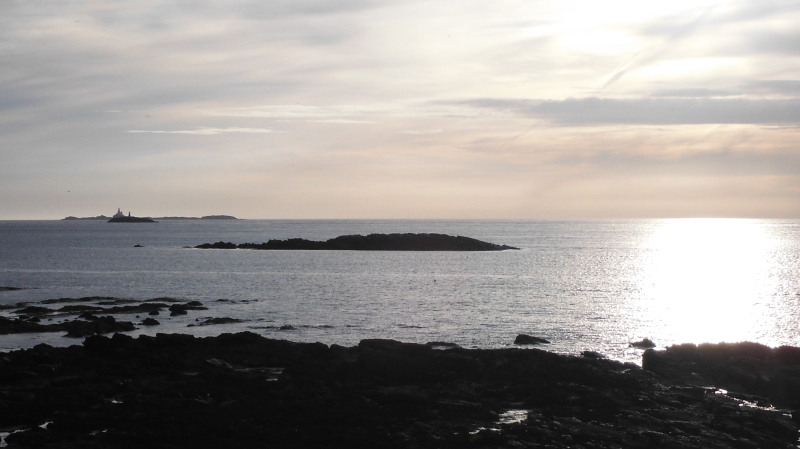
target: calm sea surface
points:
(584, 285)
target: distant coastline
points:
(206, 217)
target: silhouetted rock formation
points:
(246, 391)
(372, 242)
(99, 217)
(523, 339)
(745, 369)
(643, 344)
(221, 320)
(128, 219)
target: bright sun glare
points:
(707, 279)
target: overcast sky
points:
(400, 109)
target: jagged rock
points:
(523, 339)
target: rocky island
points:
(371, 242)
(119, 217)
(246, 391)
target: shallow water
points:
(583, 285)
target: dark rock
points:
(80, 309)
(643, 344)
(153, 312)
(129, 219)
(592, 355)
(150, 322)
(442, 344)
(217, 245)
(26, 326)
(523, 339)
(181, 309)
(8, 289)
(242, 390)
(138, 246)
(741, 368)
(101, 325)
(34, 310)
(372, 242)
(286, 327)
(223, 320)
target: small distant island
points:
(119, 217)
(372, 242)
(205, 217)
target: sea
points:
(593, 285)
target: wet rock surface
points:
(372, 242)
(243, 390)
(28, 317)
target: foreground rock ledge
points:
(372, 242)
(243, 390)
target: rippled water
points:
(584, 285)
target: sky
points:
(493, 109)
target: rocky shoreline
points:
(244, 390)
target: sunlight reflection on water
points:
(709, 280)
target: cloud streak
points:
(649, 111)
(206, 131)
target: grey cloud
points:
(310, 7)
(659, 111)
(790, 88)
(695, 93)
(772, 42)
(782, 87)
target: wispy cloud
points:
(206, 131)
(344, 121)
(423, 131)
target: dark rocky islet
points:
(524, 339)
(129, 219)
(371, 242)
(244, 390)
